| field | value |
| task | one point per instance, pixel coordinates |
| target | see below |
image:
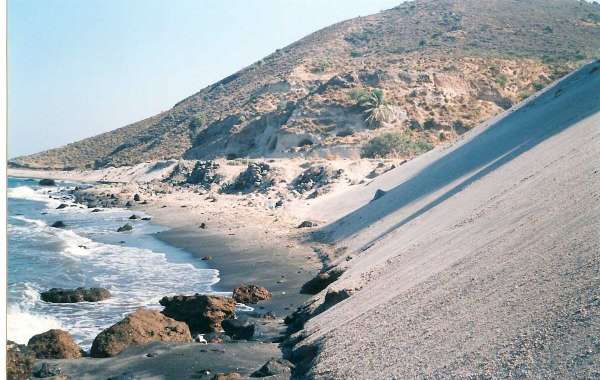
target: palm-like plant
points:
(375, 107)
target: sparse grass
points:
(395, 145)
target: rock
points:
(316, 177)
(19, 361)
(251, 294)
(238, 329)
(48, 370)
(274, 367)
(378, 194)
(206, 258)
(58, 295)
(134, 217)
(259, 176)
(128, 204)
(307, 224)
(321, 281)
(62, 205)
(96, 210)
(136, 198)
(227, 376)
(54, 344)
(202, 313)
(58, 224)
(146, 218)
(124, 228)
(279, 203)
(47, 182)
(203, 226)
(141, 327)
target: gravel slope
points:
(483, 260)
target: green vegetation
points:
(395, 144)
(198, 121)
(373, 104)
(538, 86)
(502, 80)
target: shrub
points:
(395, 144)
(501, 80)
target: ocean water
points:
(136, 267)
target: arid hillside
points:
(391, 84)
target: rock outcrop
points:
(59, 295)
(202, 313)
(54, 344)
(19, 361)
(142, 326)
(251, 294)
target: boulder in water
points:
(62, 205)
(141, 327)
(47, 182)
(378, 194)
(250, 294)
(54, 344)
(134, 217)
(58, 295)
(202, 313)
(124, 228)
(58, 224)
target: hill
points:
(481, 259)
(434, 69)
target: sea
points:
(137, 267)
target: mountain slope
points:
(481, 260)
(443, 66)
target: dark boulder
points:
(47, 182)
(146, 218)
(321, 281)
(134, 217)
(96, 210)
(141, 327)
(58, 224)
(124, 228)
(251, 294)
(136, 198)
(19, 361)
(54, 344)
(62, 205)
(58, 295)
(202, 313)
(238, 329)
(274, 367)
(307, 224)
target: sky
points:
(78, 68)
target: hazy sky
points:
(77, 68)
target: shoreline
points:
(246, 253)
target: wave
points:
(23, 322)
(29, 193)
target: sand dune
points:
(483, 259)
